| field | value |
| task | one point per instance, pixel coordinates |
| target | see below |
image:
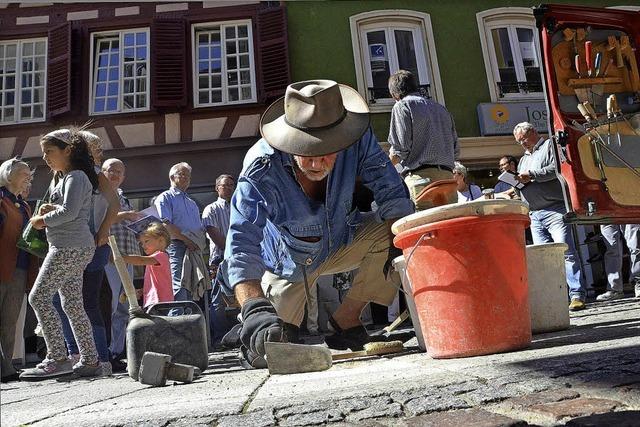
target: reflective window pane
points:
(379, 63)
(243, 31)
(38, 111)
(230, 32)
(141, 39)
(504, 58)
(406, 51)
(129, 39)
(233, 94)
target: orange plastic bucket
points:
(469, 277)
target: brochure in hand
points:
(510, 178)
(146, 217)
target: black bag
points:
(32, 240)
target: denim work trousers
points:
(119, 309)
(91, 284)
(547, 225)
(612, 234)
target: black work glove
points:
(393, 254)
(260, 324)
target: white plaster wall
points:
(172, 128)
(136, 135)
(6, 147)
(207, 129)
(246, 126)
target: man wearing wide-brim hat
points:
(292, 218)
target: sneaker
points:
(46, 369)
(577, 304)
(610, 296)
(82, 370)
(107, 369)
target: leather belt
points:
(441, 167)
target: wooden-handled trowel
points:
(287, 358)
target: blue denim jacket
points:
(269, 210)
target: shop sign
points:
(501, 118)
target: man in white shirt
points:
(215, 220)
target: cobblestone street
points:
(586, 375)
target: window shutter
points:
(274, 52)
(168, 63)
(59, 70)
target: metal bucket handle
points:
(195, 309)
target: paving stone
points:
(460, 388)
(548, 396)
(405, 396)
(390, 410)
(252, 419)
(192, 422)
(489, 394)
(618, 419)
(433, 403)
(302, 409)
(609, 378)
(579, 407)
(468, 418)
(313, 418)
(359, 404)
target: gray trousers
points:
(613, 234)
(11, 296)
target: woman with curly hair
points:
(71, 248)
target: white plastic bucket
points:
(400, 267)
(547, 287)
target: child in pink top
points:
(157, 274)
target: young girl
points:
(157, 275)
(71, 247)
(105, 207)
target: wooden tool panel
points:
(621, 75)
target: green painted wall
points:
(320, 47)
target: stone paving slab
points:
(594, 366)
(350, 379)
(211, 396)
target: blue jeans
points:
(176, 251)
(91, 284)
(119, 310)
(218, 323)
(547, 225)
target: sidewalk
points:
(592, 368)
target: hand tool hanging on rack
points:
(587, 56)
(596, 138)
(590, 116)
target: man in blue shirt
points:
(292, 218)
(181, 215)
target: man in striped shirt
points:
(422, 135)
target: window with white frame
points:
(120, 71)
(223, 71)
(509, 41)
(23, 78)
(386, 41)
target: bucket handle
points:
(185, 305)
(425, 236)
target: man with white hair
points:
(180, 214)
(293, 218)
(114, 170)
(543, 193)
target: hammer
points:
(156, 369)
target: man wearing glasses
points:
(543, 193)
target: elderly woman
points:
(466, 191)
(17, 267)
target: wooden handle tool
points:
(588, 51)
(606, 68)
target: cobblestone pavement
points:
(588, 375)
